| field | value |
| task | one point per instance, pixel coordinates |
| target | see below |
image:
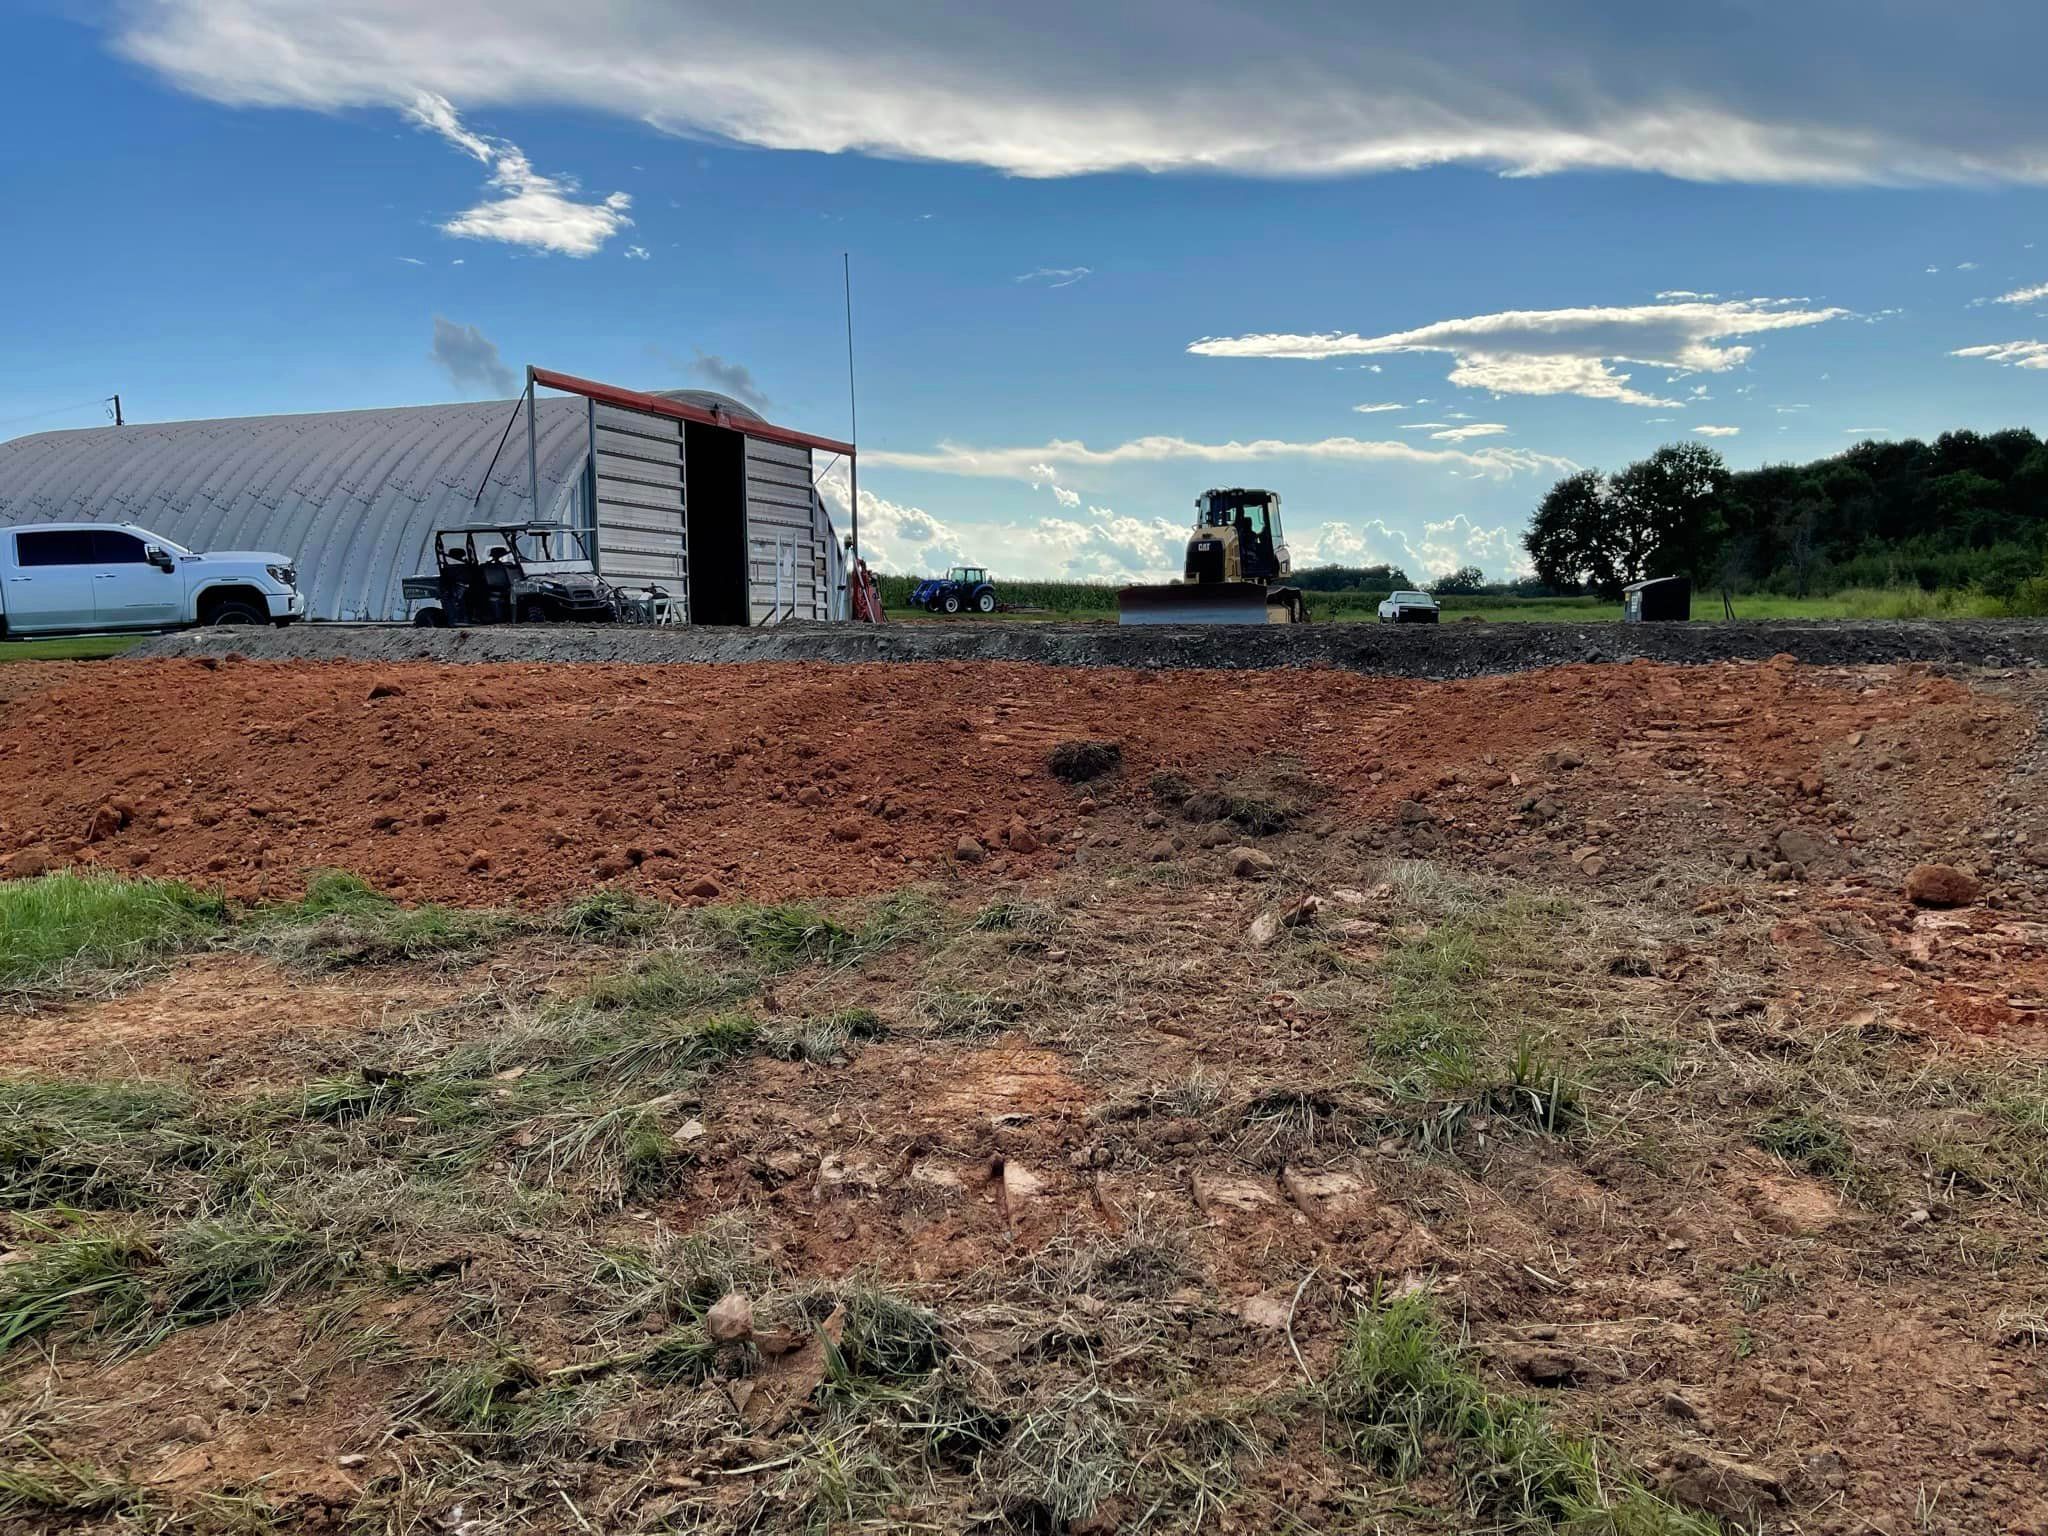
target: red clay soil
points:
(488, 785)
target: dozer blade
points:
(1217, 602)
(1212, 602)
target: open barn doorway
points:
(715, 460)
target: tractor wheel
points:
(950, 602)
(985, 602)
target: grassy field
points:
(68, 648)
(1078, 601)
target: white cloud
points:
(1868, 431)
(637, 253)
(1421, 426)
(1379, 406)
(1474, 429)
(1685, 293)
(1029, 463)
(1069, 88)
(2016, 354)
(1966, 266)
(412, 261)
(1787, 410)
(534, 210)
(2023, 295)
(1442, 547)
(1718, 431)
(1559, 351)
(1055, 277)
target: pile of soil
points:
(489, 785)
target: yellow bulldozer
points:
(1236, 571)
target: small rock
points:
(1806, 850)
(351, 1462)
(1414, 813)
(1721, 1485)
(730, 1319)
(1161, 852)
(1942, 885)
(106, 821)
(27, 864)
(610, 867)
(705, 890)
(1264, 932)
(810, 794)
(1019, 836)
(846, 831)
(687, 1132)
(478, 862)
(1302, 913)
(385, 688)
(1251, 863)
(969, 851)
(192, 1429)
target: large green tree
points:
(1658, 517)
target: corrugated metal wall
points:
(353, 497)
(641, 535)
(786, 561)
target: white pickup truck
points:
(58, 578)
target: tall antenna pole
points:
(117, 412)
(852, 408)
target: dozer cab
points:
(1236, 569)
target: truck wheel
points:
(430, 618)
(236, 611)
(986, 602)
(951, 602)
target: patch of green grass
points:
(1810, 1142)
(823, 1041)
(663, 985)
(216, 1267)
(780, 936)
(68, 648)
(608, 1153)
(1416, 1405)
(608, 915)
(1538, 1093)
(476, 1395)
(369, 929)
(1432, 1026)
(92, 1280)
(72, 1490)
(66, 922)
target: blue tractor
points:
(964, 586)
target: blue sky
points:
(1104, 256)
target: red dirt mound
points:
(488, 784)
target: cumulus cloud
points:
(1441, 547)
(2023, 295)
(1560, 351)
(542, 212)
(1717, 431)
(470, 358)
(1055, 277)
(1068, 87)
(1100, 545)
(1029, 463)
(2014, 354)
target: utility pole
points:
(853, 414)
(117, 412)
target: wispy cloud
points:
(1468, 431)
(1029, 463)
(1705, 431)
(1055, 277)
(2023, 295)
(412, 261)
(541, 212)
(638, 253)
(1530, 90)
(1560, 351)
(1378, 406)
(2014, 354)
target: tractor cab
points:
(517, 573)
(1247, 520)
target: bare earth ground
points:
(1584, 1003)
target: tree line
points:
(1967, 510)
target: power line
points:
(57, 410)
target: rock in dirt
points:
(1807, 850)
(846, 831)
(1268, 1309)
(1302, 913)
(106, 821)
(1942, 885)
(478, 862)
(386, 688)
(1019, 836)
(1020, 1187)
(1414, 813)
(1721, 1485)
(969, 851)
(1161, 852)
(1251, 863)
(789, 1382)
(1264, 932)
(706, 889)
(730, 1319)
(27, 864)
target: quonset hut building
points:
(687, 490)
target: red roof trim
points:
(675, 410)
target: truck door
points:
(128, 592)
(50, 586)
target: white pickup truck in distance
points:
(71, 578)
(1409, 608)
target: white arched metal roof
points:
(352, 496)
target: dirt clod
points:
(1077, 762)
(1942, 885)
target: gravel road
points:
(1446, 651)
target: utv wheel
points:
(430, 618)
(235, 611)
(951, 602)
(986, 602)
